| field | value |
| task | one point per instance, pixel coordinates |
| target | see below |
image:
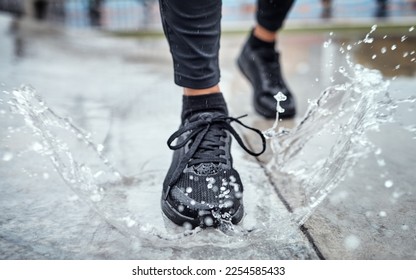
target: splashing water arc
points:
(340, 118)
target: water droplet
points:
(98, 174)
(397, 67)
(405, 54)
(351, 242)
(393, 47)
(374, 56)
(181, 208)
(382, 214)
(383, 50)
(280, 96)
(187, 225)
(37, 147)
(388, 184)
(403, 38)
(188, 190)
(7, 156)
(211, 180)
(368, 40)
(327, 43)
(208, 221)
(45, 175)
(100, 148)
(411, 29)
(95, 197)
(129, 221)
(349, 47)
(228, 204)
(381, 162)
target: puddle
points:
(311, 159)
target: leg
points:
(193, 32)
(271, 14)
(326, 8)
(41, 8)
(381, 9)
(201, 186)
(259, 61)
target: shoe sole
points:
(258, 108)
(179, 219)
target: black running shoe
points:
(262, 68)
(202, 188)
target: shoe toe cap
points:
(209, 194)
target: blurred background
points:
(129, 15)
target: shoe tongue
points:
(206, 146)
(205, 116)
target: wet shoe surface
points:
(262, 68)
(202, 188)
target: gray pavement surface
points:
(98, 198)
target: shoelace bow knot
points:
(204, 146)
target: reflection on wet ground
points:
(84, 162)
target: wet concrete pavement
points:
(108, 86)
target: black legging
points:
(193, 29)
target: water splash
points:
(314, 157)
(88, 173)
(271, 132)
(89, 179)
(84, 167)
(339, 120)
(341, 116)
